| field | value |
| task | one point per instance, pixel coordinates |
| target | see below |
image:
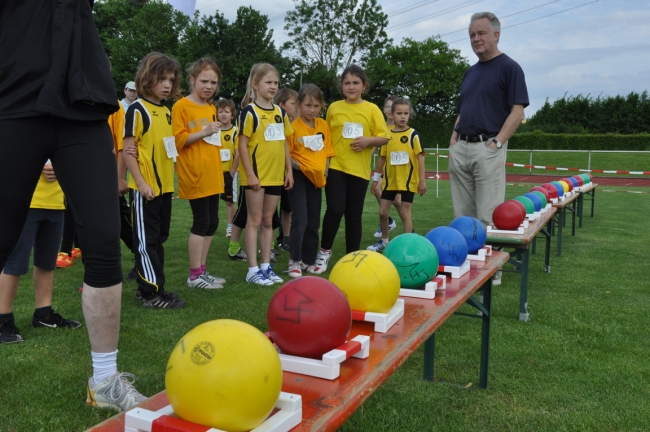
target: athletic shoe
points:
(115, 392)
(378, 247)
(76, 253)
(259, 278)
(239, 256)
(9, 333)
(295, 269)
(55, 320)
(132, 274)
(203, 281)
(164, 300)
(285, 247)
(274, 254)
(307, 268)
(214, 278)
(391, 226)
(63, 260)
(270, 275)
(138, 295)
(323, 257)
(228, 232)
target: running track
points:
(538, 179)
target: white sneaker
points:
(115, 392)
(378, 247)
(391, 226)
(204, 282)
(307, 268)
(323, 257)
(295, 269)
(228, 231)
(258, 278)
(270, 275)
(214, 278)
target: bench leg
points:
(580, 207)
(429, 349)
(560, 225)
(485, 333)
(523, 295)
(593, 201)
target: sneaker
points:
(270, 275)
(285, 247)
(55, 320)
(132, 274)
(323, 257)
(203, 281)
(214, 278)
(115, 392)
(391, 226)
(239, 256)
(274, 254)
(378, 247)
(63, 260)
(9, 333)
(295, 269)
(307, 268)
(76, 253)
(259, 278)
(164, 300)
(228, 232)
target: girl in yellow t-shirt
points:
(356, 126)
(198, 166)
(311, 149)
(264, 155)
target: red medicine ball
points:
(542, 190)
(551, 189)
(508, 216)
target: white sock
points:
(264, 266)
(104, 365)
(253, 270)
(385, 241)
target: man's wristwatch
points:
(497, 143)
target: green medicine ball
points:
(530, 207)
(415, 259)
(541, 197)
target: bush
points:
(545, 141)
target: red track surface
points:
(538, 179)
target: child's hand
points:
(373, 187)
(212, 128)
(233, 172)
(422, 187)
(288, 180)
(254, 182)
(48, 172)
(131, 150)
(146, 191)
(122, 186)
(359, 143)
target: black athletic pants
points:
(345, 195)
(306, 203)
(84, 163)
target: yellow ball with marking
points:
(368, 279)
(225, 374)
(564, 185)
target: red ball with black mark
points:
(308, 317)
(507, 216)
(551, 189)
(542, 190)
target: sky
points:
(587, 47)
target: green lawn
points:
(581, 363)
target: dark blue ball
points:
(574, 181)
(559, 187)
(535, 199)
(450, 245)
(473, 231)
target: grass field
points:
(581, 363)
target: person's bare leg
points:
(270, 203)
(101, 308)
(231, 209)
(8, 290)
(255, 201)
(43, 285)
(236, 234)
(384, 212)
(405, 215)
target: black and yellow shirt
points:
(402, 169)
(149, 124)
(266, 130)
(228, 147)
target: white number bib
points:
(225, 155)
(399, 158)
(274, 132)
(214, 139)
(170, 147)
(352, 130)
(313, 142)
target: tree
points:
(335, 33)
(428, 72)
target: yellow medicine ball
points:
(368, 279)
(564, 185)
(225, 374)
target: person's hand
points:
(131, 150)
(146, 191)
(422, 187)
(452, 141)
(48, 172)
(360, 143)
(373, 187)
(288, 181)
(232, 173)
(212, 128)
(254, 182)
(122, 186)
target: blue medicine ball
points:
(574, 181)
(450, 245)
(473, 231)
(535, 199)
(559, 187)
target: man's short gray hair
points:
(495, 24)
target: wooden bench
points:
(326, 404)
(589, 191)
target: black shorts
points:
(390, 195)
(269, 190)
(227, 187)
(285, 204)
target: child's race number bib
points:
(352, 130)
(225, 155)
(274, 132)
(313, 142)
(170, 147)
(399, 158)
(214, 139)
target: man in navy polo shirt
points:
(493, 96)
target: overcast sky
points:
(564, 46)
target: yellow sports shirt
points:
(401, 170)
(312, 158)
(228, 147)
(48, 195)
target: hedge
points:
(546, 141)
